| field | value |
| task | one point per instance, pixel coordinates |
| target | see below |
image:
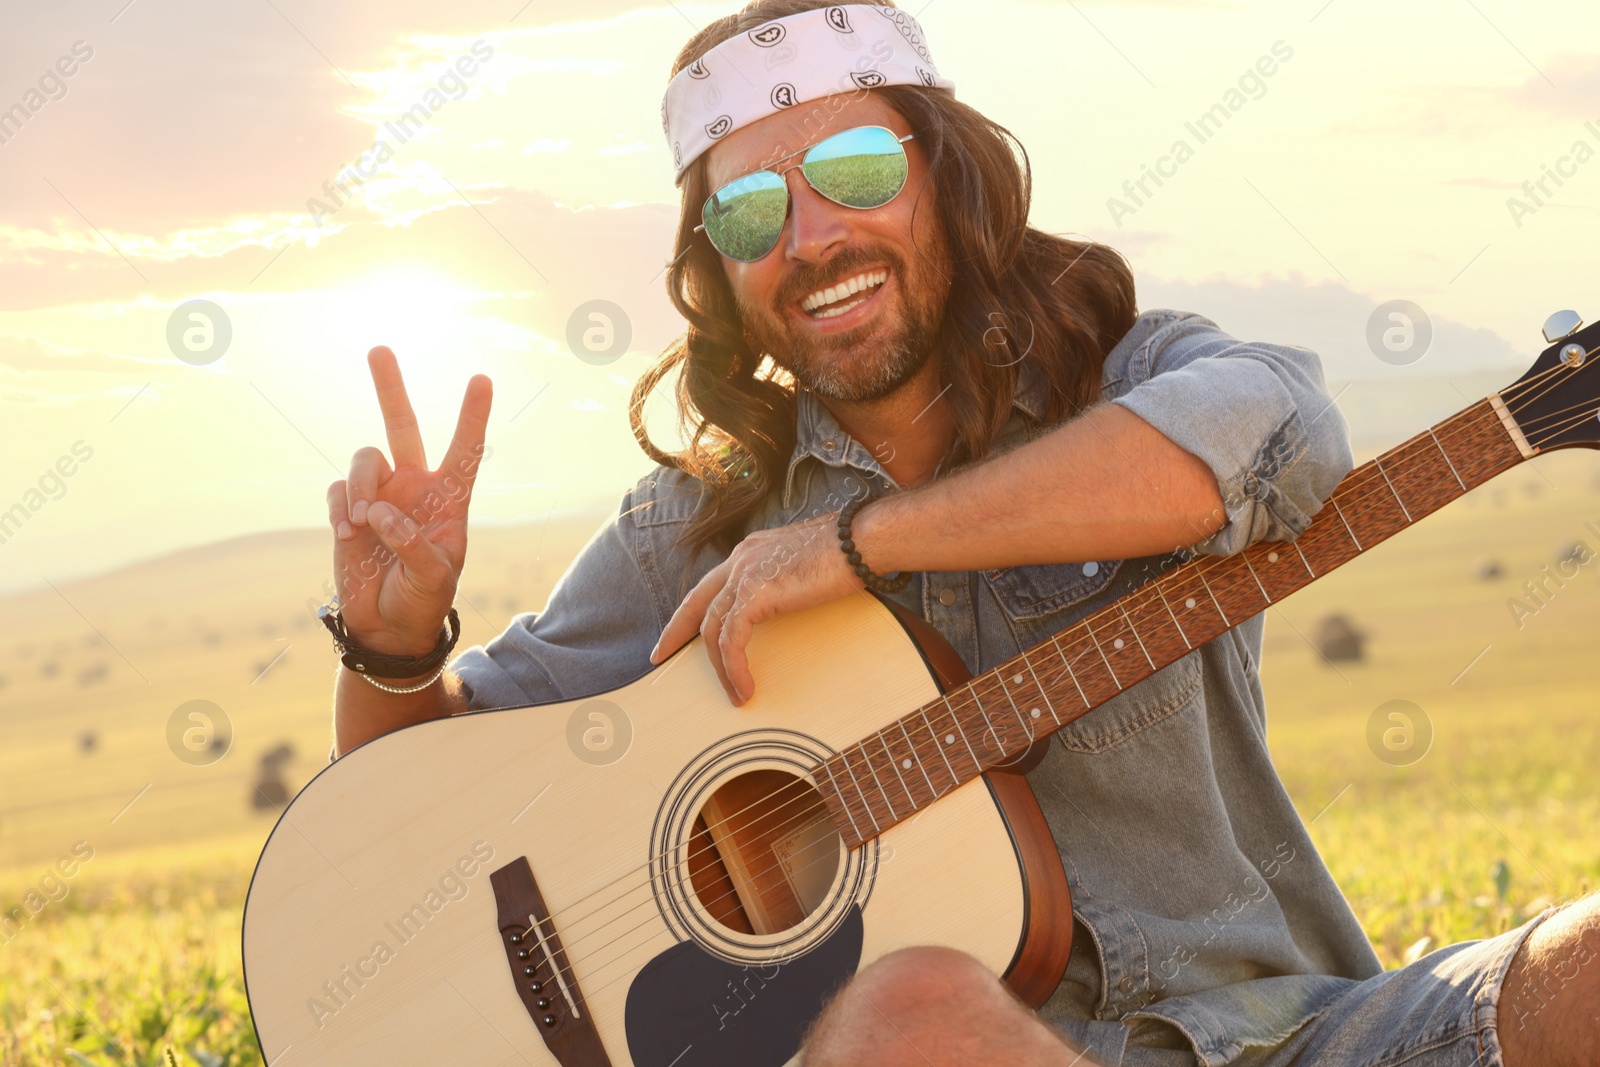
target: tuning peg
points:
(1561, 325)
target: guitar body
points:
(700, 904)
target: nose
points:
(816, 224)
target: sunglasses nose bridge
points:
(814, 220)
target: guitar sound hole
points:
(764, 852)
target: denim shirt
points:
(1206, 925)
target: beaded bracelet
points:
(877, 583)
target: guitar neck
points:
(995, 718)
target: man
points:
(868, 307)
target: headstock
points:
(1557, 402)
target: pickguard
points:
(689, 1008)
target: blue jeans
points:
(1440, 1011)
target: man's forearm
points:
(362, 711)
(1105, 485)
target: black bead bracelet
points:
(878, 584)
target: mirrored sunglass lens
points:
(745, 217)
(858, 168)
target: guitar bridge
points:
(544, 979)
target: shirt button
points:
(947, 597)
(1128, 985)
(830, 444)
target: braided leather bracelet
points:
(877, 583)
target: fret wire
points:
(1135, 631)
(1303, 560)
(895, 767)
(1055, 639)
(895, 764)
(1246, 557)
(1393, 490)
(875, 779)
(977, 702)
(1201, 573)
(1337, 510)
(1158, 583)
(955, 779)
(859, 792)
(1043, 695)
(1102, 652)
(1446, 456)
(1027, 729)
(955, 722)
(912, 745)
(844, 803)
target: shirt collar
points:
(818, 434)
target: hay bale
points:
(269, 793)
(1339, 641)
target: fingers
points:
(338, 511)
(685, 622)
(461, 459)
(368, 470)
(425, 563)
(733, 636)
(405, 439)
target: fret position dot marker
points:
(1189, 603)
(1034, 712)
(1016, 679)
(906, 764)
(1272, 557)
(949, 739)
(1117, 643)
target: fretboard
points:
(996, 717)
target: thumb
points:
(425, 561)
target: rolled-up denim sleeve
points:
(1259, 415)
(595, 632)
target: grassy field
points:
(137, 951)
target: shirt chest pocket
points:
(1040, 601)
(1040, 593)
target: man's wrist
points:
(403, 686)
(870, 531)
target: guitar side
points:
(371, 931)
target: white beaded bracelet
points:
(408, 689)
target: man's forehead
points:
(764, 143)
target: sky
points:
(190, 155)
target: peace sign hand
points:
(400, 532)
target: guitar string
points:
(1442, 426)
(991, 677)
(1560, 364)
(977, 698)
(1540, 423)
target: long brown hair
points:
(1015, 292)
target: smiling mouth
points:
(836, 300)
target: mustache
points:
(808, 279)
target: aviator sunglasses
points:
(862, 168)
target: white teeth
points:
(831, 312)
(842, 290)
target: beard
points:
(871, 361)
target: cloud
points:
(1467, 110)
(1576, 94)
(28, 355)
(1330, 319)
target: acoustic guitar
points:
(653, 877)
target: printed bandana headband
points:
(790, 61)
